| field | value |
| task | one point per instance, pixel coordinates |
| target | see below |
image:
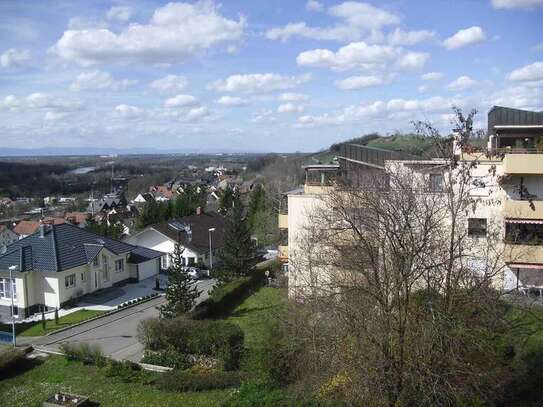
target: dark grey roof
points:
(507, 116)
(63, 247)
(199, 226)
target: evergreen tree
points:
(226, 199)
(114, 229)
(181, 293)
(239, 252)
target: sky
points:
(255, 76)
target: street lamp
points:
(210, 250)
(11, 282)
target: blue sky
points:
(274, 75)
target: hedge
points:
(180, 381)
(220, 339)
(10, 358)
(226, 297)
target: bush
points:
(9, 358)
(219, 339)
(226, 297)
(88, 354)
(125, 370)
(168, 358)
(180, 381)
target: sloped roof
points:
(199, 225)
(63, 247)
(26, 227)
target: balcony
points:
(523, 209)
(523, 164)
(523, 254)
(283, 253)
(283, 221)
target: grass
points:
(255, 316)
(32, 387)
(36, 329)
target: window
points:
(105, 274)
(436, 182)
(83, 277)
(477, 227)
(96, 261)
(119, 265)
(164, 262)
(5, 288)
(69, 281)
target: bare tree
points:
(402, 297)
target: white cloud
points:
(467, 36)
(197, 113)
(84, 23)
(181, 101)
(46, 101)
(53, 115)
(290, 108)
(524, 4)
(357, 21)
(519, 96)
(462, 83)
(13, 58)
(257, 83)
(263, 116)
(170, 83)
(313, 5)
(359, 82)
(528, 73)
(99, 80)
(432, 76)
(359, 55)
(293, 97)
(10, 102)
(175, 32)
(400, 37)
(232, 101)
(120, 13)
(128, 112)
(413, 60)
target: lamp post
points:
(11, 270)
(210, 250)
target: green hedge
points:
(219, 339)
(180, 381)
(169, 358)
(226, 297)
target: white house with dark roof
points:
(62, 262)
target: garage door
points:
(148, 269)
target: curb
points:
(105, 314)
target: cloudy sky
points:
(245, 75)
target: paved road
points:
(115, 334)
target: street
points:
(115, 334)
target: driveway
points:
(115, 334)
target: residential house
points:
(143, 198)
(26, 227)
(192, 233)
(77, 218)
(7, 237)
(62, 262)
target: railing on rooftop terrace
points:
(518, 150)
(371, 155)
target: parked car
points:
(197, 273)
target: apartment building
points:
(506, 187)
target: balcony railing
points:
(283, 221)
(523, 209)
(526, 163)
(523, 254)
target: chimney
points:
(199, 210)
(42, 230)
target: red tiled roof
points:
(26, 227)
(76, 217)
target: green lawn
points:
(32, 387)
(256, 316)
(36, 329)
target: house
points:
(506, 182)
(162, 192)
(7, 237)
(77, 218)
(62, 262)
(191, 232)
(26, 227)
(143, 198)
(108, 202)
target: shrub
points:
(226, 297)
(88, 354)
(125, 370)
(219, 339)
(168, 358)
(9, 358)
(180, 381)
